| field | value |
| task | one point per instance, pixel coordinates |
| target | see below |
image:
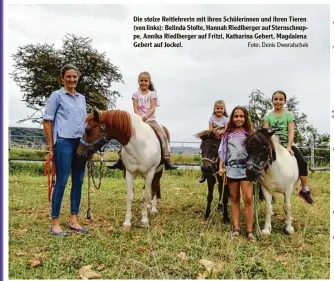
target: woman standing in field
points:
(64, 123)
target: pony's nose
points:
(251, 173)
(80, 157)
(206, 169)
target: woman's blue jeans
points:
(66, 161)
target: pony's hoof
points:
(154, 211)
(290, 230)
(226, 220)
(127, 224)
(265, 232)
(144, 224)
(220, 207)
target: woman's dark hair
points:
(68, 67)
(279, 92)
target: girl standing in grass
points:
(233, 158)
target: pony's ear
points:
(97, 114)
(270, 131)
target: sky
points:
(190, 79)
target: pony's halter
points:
(210, 160)
(91, 146)
(266, 163)
(214, 162)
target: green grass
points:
(178, 227)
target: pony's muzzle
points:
(252, 173)
(80, 157)
(207, 170)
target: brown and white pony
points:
(141, 152)
(271, 164)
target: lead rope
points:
(256, 209)
(51, 176)
(90, 167)
(224, 183)
(88, 203)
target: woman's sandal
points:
(81, 230)
(235, 233)
(251, 237)
(58, 234)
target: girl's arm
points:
(47, 127)
(152, 109)
(291, 134)
(221, 167)
(210, 127)
(135, 106)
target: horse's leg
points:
(226, 195)
(129, 180)
(268, 197)
(261, 197)
(148, 181)
(211, 182)
(287, 209)
(155, 191)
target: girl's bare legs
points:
(235, 204)
(247, 196)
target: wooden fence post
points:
(312, 151)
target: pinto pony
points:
(276, 169)
(141, 152)
(210, 163)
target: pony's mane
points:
(118, 120)
(204, 134)
(262, 137)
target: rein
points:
(51, 175)
(256, 209)
(91, 146)
(91, 165)
(215, 162)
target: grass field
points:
(155, 253)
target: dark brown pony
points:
(210, 164)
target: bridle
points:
(91, 146)
(266, 164)
(214, 161)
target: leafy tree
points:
(37, 73)
(259, 105)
